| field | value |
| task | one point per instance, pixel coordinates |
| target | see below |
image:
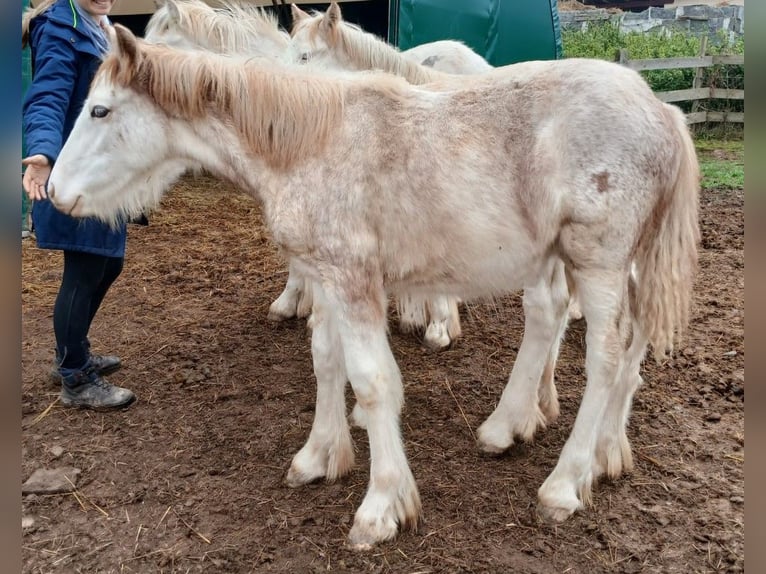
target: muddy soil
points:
(190, 478)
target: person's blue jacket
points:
(65, 57)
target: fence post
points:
(699, 73)
(623, 56)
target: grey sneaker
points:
(86, 389)
(104, 365)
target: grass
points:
(722, 163)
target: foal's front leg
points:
(329, 450)
(392, 499)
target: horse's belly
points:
(502, 271)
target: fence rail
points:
(698, 92)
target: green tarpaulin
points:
(503, 31)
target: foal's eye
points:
(99, 112)
(305, 57)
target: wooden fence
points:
(698, 92)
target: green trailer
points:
(503, 31)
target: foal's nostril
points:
(51, 190)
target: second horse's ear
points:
(333, 15)
(173, 11)
(297, 13)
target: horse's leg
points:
(575, 313)
(412, 312)
(602, 296)
(392, 498)
(306, 301)
(443, 322)
(518, 414)
(547, 394)
(286, 305)
(329, 451)
(613, 455)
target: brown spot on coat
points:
(602, 181)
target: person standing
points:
(67, 40)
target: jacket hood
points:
(64, 13)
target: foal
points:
(481, 187)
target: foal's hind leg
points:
(443, 322)
(613, 454)
(518, 414)
(547, 395)
(329, 451)
(286, 306)
(602, 296)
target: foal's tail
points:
(666, 257)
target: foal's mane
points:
(368, 52)
(281, 115)
(231, 29)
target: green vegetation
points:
(604, 41)
(722, 163)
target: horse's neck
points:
(368, 52)
(213, 146)
(263, 47)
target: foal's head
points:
(116, 161)
(154, 111)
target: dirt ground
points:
(190, 478)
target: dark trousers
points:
(87, 278)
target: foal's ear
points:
(125, 46)
(159, 3)
(297, 13)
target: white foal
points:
(377, 187)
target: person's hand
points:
(36, 176)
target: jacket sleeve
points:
(49, 95)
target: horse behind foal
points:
(592, 172)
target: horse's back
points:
(449, 56)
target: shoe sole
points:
(76, 405)
(55, 378)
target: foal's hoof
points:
(365, 534)
(436, 338)
(307, 466)
(553, 515)
(493, 439)
(557, 501)
(279, 314)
